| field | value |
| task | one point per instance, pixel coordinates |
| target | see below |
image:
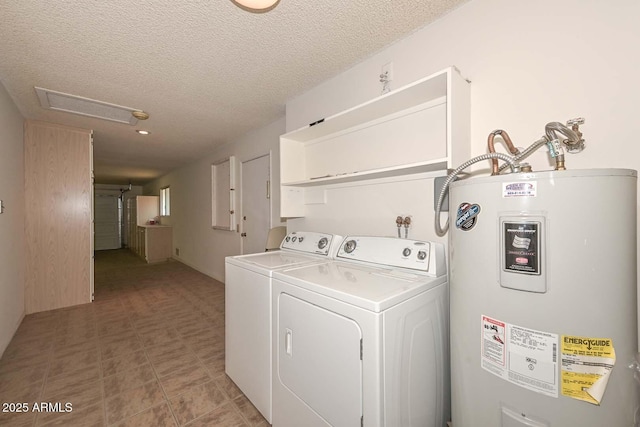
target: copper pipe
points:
(505, 137)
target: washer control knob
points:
(300, 239)
(322, 243)
(422, 255)
(294, 239)
(406, 252)
(350, 246)
(287, 239)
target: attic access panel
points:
(68, 103)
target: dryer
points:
(363, 340)
(248, 309)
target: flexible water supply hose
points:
(573, 142)
(441, 231)
(553, 127)
(526, 152)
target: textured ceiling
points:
(207, 71)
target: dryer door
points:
(319, 360)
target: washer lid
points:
(265, 262)
(374, 289)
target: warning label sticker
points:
(493, 338)
(522, 356)
(586, 366)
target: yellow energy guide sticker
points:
(586, 366)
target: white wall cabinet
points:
(421, 127)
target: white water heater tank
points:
(544, 299)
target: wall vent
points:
(85, 107)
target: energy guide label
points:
(587, 363)
(525, 357)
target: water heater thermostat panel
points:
(522, 253)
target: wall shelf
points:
(408, 169)
(421, 127)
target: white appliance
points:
(543, 293)
(363, 340)
(248, 309)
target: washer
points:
(248, 309)
(363, 340)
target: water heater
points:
(543, 299)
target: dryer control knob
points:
(406, 252)
(422, 255)
(350, 246)
(322, 243)
(300, 239)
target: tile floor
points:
(149, 351)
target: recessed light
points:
(143, 132)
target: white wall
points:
(371, 208)
(529, 63)
(12, 220)
(201, 246)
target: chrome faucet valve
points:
(399, 224)
(406, 221)
(575, 146)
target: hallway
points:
(149, 351)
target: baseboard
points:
(215, 277)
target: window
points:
(165, 201)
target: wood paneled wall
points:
(58, 197)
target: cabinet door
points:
(158, 243)
(142, 244)
(223, 194)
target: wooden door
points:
(58, 215)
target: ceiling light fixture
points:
(140, 115)
(143, 132)
(256, 6)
